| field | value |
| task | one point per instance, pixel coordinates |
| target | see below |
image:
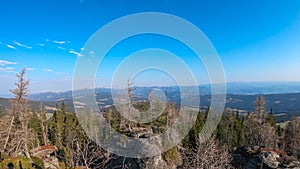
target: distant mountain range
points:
(236, 88)
(239, 95)
(254, 88)
(282, 97)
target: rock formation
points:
(44, 153)
(254, 157)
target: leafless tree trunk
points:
(208, 155)
(43, 122)
(260, 107)
(92, 155)
(257, 131)
(131, 96)
(9, 132)
(21, 113)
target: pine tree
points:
(221, 132)
(53, 129)
(238, 128)
(36, 128)
(292, 138)
(280, 134)
(191, 140)
(63, 107)
(271, 119)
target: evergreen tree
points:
(238, 128)
(36, 128)
(53, 129)
(271, 119)
(292, 137)
(221, 131)
(190, 141)
(63, 107)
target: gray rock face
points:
(263, 158)
(118, 162)
(44, 152)
(269, 158)
(51, 163)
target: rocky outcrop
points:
(44, 153)
(51, 163)
(256, 157)
(149, 163)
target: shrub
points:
(18, 162)
(172, 156)
(38, 162)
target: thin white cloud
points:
(30, 68)
(60, 73)
(62, 48)
(22, 45)
(5, 62)
(47, 70)
(59, 42)
(40, 44)
(75, 53)
(7, 70)
(6, 76)
(92, 53)
(11, 47)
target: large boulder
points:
(252, 157)
(119, 162)
(269, 158)
(51, 163)
(44, 153)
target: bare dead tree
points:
(167, 102)
(208, 155)
(259, 134)
(8, 134)
(43, 122)
(132, 97)
(257, 131)
(20, 113)
(260, 108)
(91, 155)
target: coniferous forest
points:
(34, 138)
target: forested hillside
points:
(32, 139)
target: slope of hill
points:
(49, 106)
(279, 101)
(237, 88)
(283, 98)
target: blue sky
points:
(256, 40)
